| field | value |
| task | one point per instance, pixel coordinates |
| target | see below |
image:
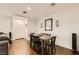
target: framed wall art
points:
(48, 24)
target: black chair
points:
(50, 45)
(31, 38)
(35, 42)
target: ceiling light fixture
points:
(24, 12)
(29, 8)
(52, 4)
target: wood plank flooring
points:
(22, 47)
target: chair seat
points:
(37, 43)
(48, 43)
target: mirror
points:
(48, 24)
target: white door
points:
(19, 29)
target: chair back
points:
(36, 38)
(53, 40)
(31, 37)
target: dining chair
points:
(50, 45)
(31, 38)
(36, 43)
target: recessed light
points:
(24, 12)
(29, 8)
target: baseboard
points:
(20, 38)
(64, 47)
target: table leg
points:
(54, 46)
(52, 50)
(51, 46)
(30, 43)
(42, 47)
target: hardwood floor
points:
(59, 51)
(22, 47)
(64, 51)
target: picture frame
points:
(57, 23)
(48, 24)
(41, 25)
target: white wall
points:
(32, 25)
(68, 24)
(5, 24)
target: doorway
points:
(19, 28)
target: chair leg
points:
(54, 50)
(33, 47)
(50, 51)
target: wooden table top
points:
(45, 37)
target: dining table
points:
(44, 38)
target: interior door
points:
(19, 29)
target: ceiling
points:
(37, 9)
